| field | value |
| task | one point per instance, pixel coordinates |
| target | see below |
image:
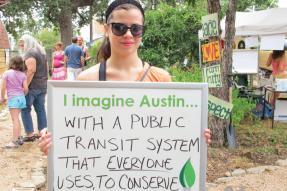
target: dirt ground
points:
(16, 165)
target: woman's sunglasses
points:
(119, 29)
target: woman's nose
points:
(128, 33)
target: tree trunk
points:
(218, 125)
(65, 23)
(229, 34)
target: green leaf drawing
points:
(187, 175)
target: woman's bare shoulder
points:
(91, 73)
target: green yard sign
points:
(212, 75)
(210, 25)
(218, 107)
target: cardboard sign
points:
(211, 52)
(212, 75)
(113, 136)
(218, 107)
(210, 25)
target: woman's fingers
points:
(45, 143)
(207, 135)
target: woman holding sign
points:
(119, 53)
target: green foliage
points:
(243, 5)
(261, 134)
(48, 38)
(192, 74)
(34, 15)
(93, 51)
(241, 108)
(171, 34)
(15, 21)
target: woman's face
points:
(58, 47)
(80, 41)
(127, 43)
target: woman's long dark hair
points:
(277, 53)
(105, 50)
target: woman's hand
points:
(3, 101)
(207, 136)
(45, 142)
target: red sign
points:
(211, 52)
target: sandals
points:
(32, 138)
(29, 139)
(12, 145)
(20, 140)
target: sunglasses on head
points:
(119, 29)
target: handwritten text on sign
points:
(212, 75)
(211, 52)
(119, 136)
(218, 107)
(210, 25)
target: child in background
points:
(15, 82)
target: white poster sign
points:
(251, 41)
(245, 61)
(272, 42)
(113, 136)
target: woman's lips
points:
(127, 44)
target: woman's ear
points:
(106, 30)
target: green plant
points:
(242, 108)
(171, 35)
(93, 51)
(265, 150)
(191, 74)
(48, 38)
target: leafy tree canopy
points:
(48, 38)
(244, 5)
(171, 34)
(34, 15)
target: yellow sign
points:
(211, 52)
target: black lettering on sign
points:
(181, 145)
(152, 121)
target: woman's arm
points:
(3, 91)
(31, 69)
(269, 61)
(25, 87)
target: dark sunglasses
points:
(119, 29)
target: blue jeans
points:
(37, 99)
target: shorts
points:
(17, 102)
(72, 73)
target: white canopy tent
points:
(261, 24)
(266, 22)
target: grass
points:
(257, 144)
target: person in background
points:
(74, 60)
(37, 75)
(58, 69)
(278, 61)
(124, 29)
(85, 50)
(15, 83)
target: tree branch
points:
(81, 3)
